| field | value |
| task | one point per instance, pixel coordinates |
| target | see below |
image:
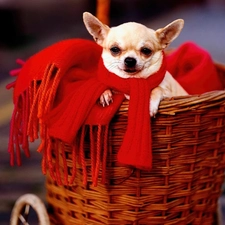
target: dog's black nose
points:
(130, 62)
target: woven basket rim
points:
(171, 106)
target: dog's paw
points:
(154, 105)
(106, 98)
(127, 96)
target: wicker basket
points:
(182, 188)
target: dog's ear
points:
(167, 34)
(95, 27)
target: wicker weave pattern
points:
(182, 188)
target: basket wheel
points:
(25, 206)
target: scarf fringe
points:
(29, 108)
(89, 151)
(27, 126)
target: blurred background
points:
(27, 26)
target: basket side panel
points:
(182, 188)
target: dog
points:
(132, 50)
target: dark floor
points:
(204, 24)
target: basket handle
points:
(102, 10)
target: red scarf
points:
(55, 95)
(80, 108)
(136, 149)
(193, 68)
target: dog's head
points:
(131, 49)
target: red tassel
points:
(43, 92)
(33, 122)
(43, 137)
(44, 163)
(15, 72)
(57, 166)
(20, 62)
(47, 90)
(98, 156)
(52, 91)
(18, 153)
(105, 151)
(65, 168)
(82, 156)
(92, 150)
(74, 168)
(45, 151)
(11, 85)
(18, 128)
(12, 135)
(24, 125)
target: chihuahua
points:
(134, 50)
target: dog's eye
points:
(146, 51)
(115, 50)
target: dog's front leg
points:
(160, 92)
(155, 98)
(106, 98)
(168, 88)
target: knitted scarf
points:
(56, 95)
(65, 120)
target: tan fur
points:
(134, 50)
